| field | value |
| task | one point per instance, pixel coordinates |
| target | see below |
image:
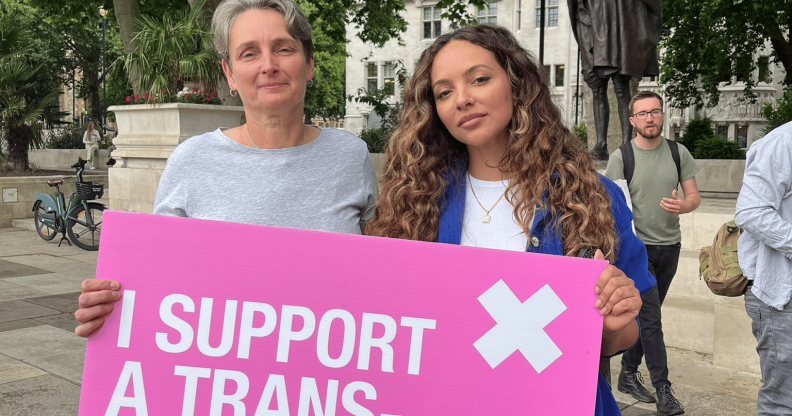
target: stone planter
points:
(148, 133)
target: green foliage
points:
(25, 96)
(380, 102)
(581, 132)
(376, 138)
(376, 21)
(171, 50)
(714, 147)
(324, 98)
(706, 42)
(75, 36)
(780, 115)
(69, 137)
(456, 11)
(695, 130)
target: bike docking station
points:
(80, 219)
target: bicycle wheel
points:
(44, 230)
(85, 227)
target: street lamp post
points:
(103, 12)
(542, 32)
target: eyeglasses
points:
(642, 115)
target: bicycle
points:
(80, 219)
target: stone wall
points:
(19, 193)
(62, 159)
(720, 178)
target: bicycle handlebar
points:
(80, 167)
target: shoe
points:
(667, 404)
(92, 168)
(630, 382)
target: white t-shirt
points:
(95, 137)
(502, 232)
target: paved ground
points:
(41, 359)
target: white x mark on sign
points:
(520, 326)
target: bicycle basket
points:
(90, 190)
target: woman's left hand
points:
(618, 299)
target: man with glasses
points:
(656, 209)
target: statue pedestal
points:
(148, 133)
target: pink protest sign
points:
(232, 319)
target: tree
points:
(780, 115)
(78, 33)
(706, 42)
(23, 99)
(325, 95)
(173, 49)
(696, 130)
(377, 21)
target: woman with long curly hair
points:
(481, 158)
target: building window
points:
(372, 77)
(519, 14)
(723, 132)
(559, 75)
(552, 13)
(547, 71)
(381, 76)
(489, 14)
(742, 75)
(742, 136)
(431, 22)
(764, 69)
(389, 78)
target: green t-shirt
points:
(654, 178)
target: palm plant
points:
(172, 50)
(25, 101)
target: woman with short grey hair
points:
(296, 23)
(272, 170)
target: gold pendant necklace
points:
(302, 138)
(486, 219)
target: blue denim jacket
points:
(630, 254)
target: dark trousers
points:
(663, 261)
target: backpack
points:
(718, 263)
(628, 158)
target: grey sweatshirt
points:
(328, 184)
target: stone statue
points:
(618, 41)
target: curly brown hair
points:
(548, 165)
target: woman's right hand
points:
(96, 302)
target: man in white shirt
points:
(764, 211)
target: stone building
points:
(371, 67)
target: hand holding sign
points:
(619, 301)
(96, 302)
